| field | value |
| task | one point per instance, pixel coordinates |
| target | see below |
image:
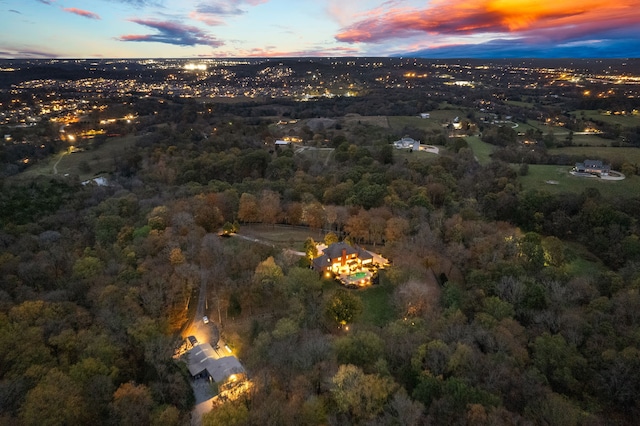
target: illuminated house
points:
(342, 258)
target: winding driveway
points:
(55, 166)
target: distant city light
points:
(195, 67)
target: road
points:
(205, 333)
(55, 166)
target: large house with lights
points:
(352, 265)
(342, 258)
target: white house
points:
(407, 143)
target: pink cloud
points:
(80, 12)
(466, 17)
(273, 52)
(171, 32)
(212, 11)
(135, 37)
(207, 18)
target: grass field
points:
(428, 124)
(402, 155)
(590, 140)
(374, 120)
(528, 105)
(84, 164)
(543, 127)
(622, 120)
(539, 175)
(282, 236)
(317, 155)
(583, 265)
(610, 154)
(481, 150)
(377, 309)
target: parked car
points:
(205, 319)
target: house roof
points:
(321, 262)
(204, 357)
(364, 254)
(334, 251)
(593, 163)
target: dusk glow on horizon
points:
(286, 28)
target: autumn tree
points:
(269, 207)
(362, 349)
(359, 226)
(360, 396)
(248, 210)
(132, 404)
(231, 413)
(268, 273)
(330, 238)
(206, 212)
(55, 400)
(314, 215)
(396, 229)
(343, 307)
(310, 248)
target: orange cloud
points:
(445, 17)
(80, 12)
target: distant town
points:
(66, 90)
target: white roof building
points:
(215, 362)
(407, 143)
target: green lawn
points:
(583, 267)
(589, 140)
(281, 236)
(481, 150)
(377, 309)
(374, 120)
(539, 177)
(528, 105)
(84, 164)
(435, 121)
(622, 120)
(316, 155)
(402, 155)
(543, 127)
(610, 154)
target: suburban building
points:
(342, 258)
(595, 167)
(205, 361)
(407, 143)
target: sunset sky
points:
(278, 28)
